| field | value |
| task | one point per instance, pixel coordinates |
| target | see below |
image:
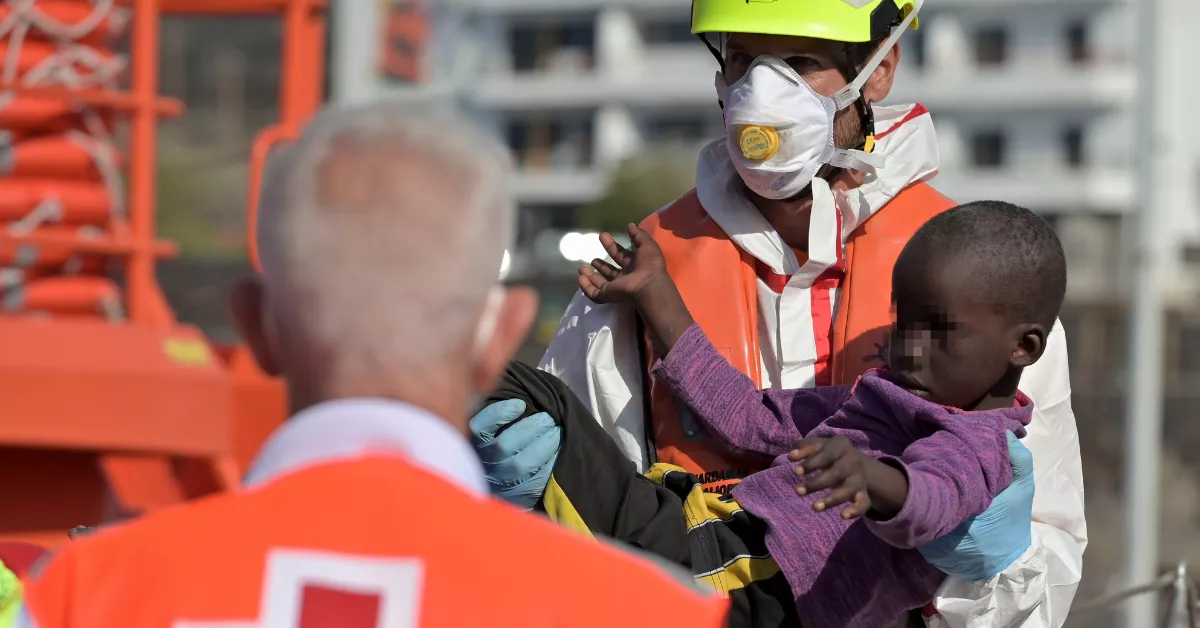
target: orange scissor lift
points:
(109, 407)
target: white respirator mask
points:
(779, 131)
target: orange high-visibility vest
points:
(718, 282)
(19, 557)
(355, 544)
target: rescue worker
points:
(381, 229)
(784, 252)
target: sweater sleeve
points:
(950, 478)
(729, 405)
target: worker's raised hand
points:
(637, 270)
(842, 468)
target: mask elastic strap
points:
(857, 160)
(850, 93)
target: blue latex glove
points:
(987, 544)
(518, 462)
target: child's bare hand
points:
(843, 469)
(637, 268)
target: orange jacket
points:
(400, 548)
(19, 557)
(718, 282)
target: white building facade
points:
(1032, 100)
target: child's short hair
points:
(1020, 259)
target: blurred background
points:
(605, 102)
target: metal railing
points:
(1183, 608)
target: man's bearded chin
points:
(847, 135)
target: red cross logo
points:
(311, 589)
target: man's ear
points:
(247, 302)
(879, 85)
(1031, 343)
(514, 317)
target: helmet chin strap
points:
(866, 120)
(866, 116)
(718, 56)
(713, 49)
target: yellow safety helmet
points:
(851, 21)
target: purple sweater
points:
(861, 572)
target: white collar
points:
(355, 428)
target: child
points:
(916, 448)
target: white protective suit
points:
(596, 354)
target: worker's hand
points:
(987, 544)
(639, 269)
(517, 459)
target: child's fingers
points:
(586, 287)
(804, 449)
(592, 284)
(618, 253)
(860, 507)
(606, 270)
(593, 277)
(823, 459)
(638, 236)
(835, 497)
(834, 476)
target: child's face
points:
(948, 344)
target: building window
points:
(562, 143)
(1078, 48)
(676, 130)
(683, 127)
(988, 149)
(991, 46)
(1072, 139)
(668, 32)
(553, 47)
(535, 219)
(1189, 348)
